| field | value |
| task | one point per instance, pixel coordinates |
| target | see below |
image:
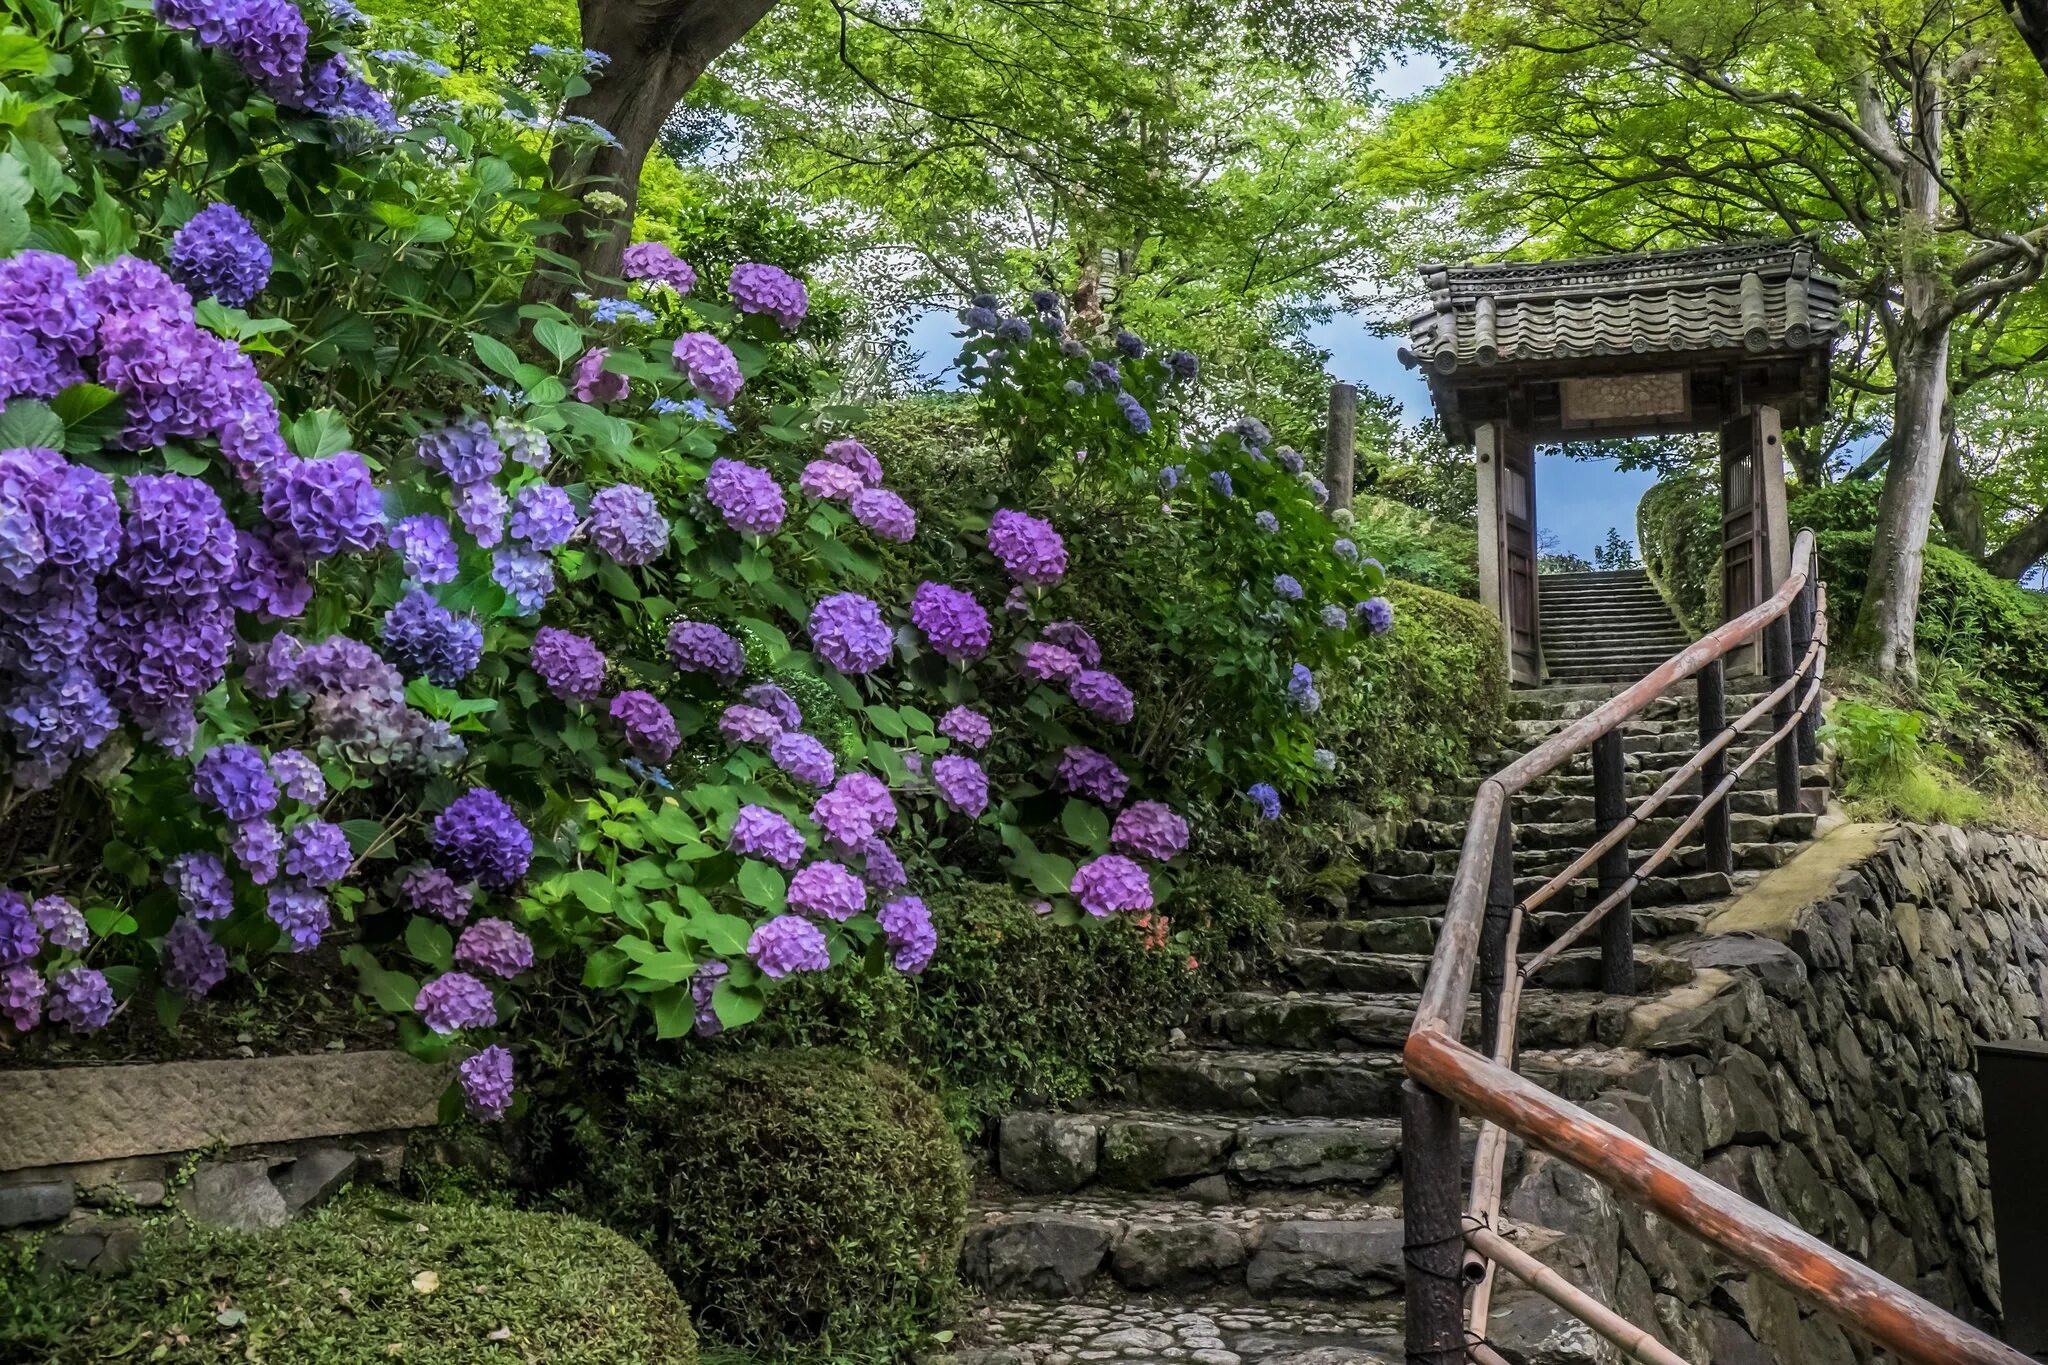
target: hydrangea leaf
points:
(27, 422)
(725, 935)
(762, 885)
(1086, 824)
(1050, 873)
(495, 354)
(430, 942)
(736, 1006)
(675, 1012)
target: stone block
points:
(316, 1176)
(1045, 1255)
(1338, 1258)
(1143, 1153)
(235, 1194)
(1178, 1255)
(1360, 1153)
(1047, 1153)
(43, 1202)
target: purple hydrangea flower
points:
(789, 943)
(758, 832)
(430, 891)
(1047, 663)
(1104, 374)
(234, 780)
(201, 883)
(298, 776)
(1183, 365)
(1170, 477)
(1301, 690)
(1335, 617)
(1027, 547)
(962, 782)
(494, 946)
(543, 516)
(217, 252)
(43, 635)
(1317, 489)
(193, 963)
(1150, 829)
(316, 852)
(709, 365)
(22, 989)
(267, 583)
(848, 632)
(831, 482)
(1267, 522)
(956, 624)
(1134, 414)
(1129, 343)
(697, 647)
(1110, 884)
(881, 869)
(1376, 614)
(523, 442)
(964, 726)
(323, 507)
(655, 263)
(650, 726)
(1093, 774)
(776, 702)
(979, 318)
(1102, 695)
(568, 664)
(1289, 458)
(1346, 550)
(61, 924)
(1219, 479)
(703, 994)
(527, 576)
(1286, 587)
(857, 808)
(767, 289)
(74, 510)
(422, 638)
(478, 838)
(828, 890)
(1265, 799)
(481, 508)
(857, 457)
(743, 724)
(155, 658)
(885, 513)
(626, 524)
(454, 1001)
(593, 383)
(302, 912)
(81, 1000)
(486, 1080)
(908, 926)
(178, 544)
(747, 495)
(20, 939)
(803, 758)
(1071, 637)
(257, 846)
(55, 722)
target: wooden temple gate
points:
(1732, 339)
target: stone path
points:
(1236, 1201)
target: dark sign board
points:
(2014, 1079)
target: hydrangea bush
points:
(370, 587)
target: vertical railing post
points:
(1610, 807)
(1433, 1230)
(1340, 445)
(1493, 931)
(1802, 639)
(1715, 825)
(1778, 666)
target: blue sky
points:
(1576, 500)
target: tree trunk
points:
(2021, 551)
(1891, 598)
(658, 49)
(1955, 496)
(2030, 17)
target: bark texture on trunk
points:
(1891, 598)
(658, 49)
(2030, 17)
(1955, 496)
(2021, 551)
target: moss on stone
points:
(346, 1284)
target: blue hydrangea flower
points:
(1301, 690)
(424, 639)
(1170, 477)
(1265, 799)
(612, 311)
(1135, 416)
(1335, 617)
(1219, 479)
(218, 253)
(1267, 522)
(1346, 550)
(1287, 587)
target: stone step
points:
(1207, 1329)
(1578, 834)
(1690, 856)
(1641, 782)
(1597, 631)
(1435, 888)
(1210, 1156)
(1065, 1247)
(1573, 701)
(1342, 1022)
(1416, 934)
(1341, 970)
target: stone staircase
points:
(1236, 1202)
(1604, 627)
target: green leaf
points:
(27, 422)
(79, 402)
(594, 889)
(361, 834)
(675, 1012)
(762, 885)
(885, 719)
(605, 968)
(170, 1007)
(673, 825)
(1085, 823)
(109, 921)
(495, 354)
(737, 1006)
(1049, 873)
(430, 942)
(20, 52)
(318, 434)
(394, 991)
(725, 935)
(564, 341)
(666, 966)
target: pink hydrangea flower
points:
(769, 290)
(803, 758)
(1110, 884)
(494, 946)
(856, 809)
(828, 890)
(743, 724)
(856, 457)
(884, 513)
(655, 263)
(709, 365)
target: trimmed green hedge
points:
(339, 1287)
(1678, 527)
(800, 1199)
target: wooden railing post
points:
(1714, 825)
(1610, 807)
(1493, 935)
(1433, 1231)
(1778, 666)
(1802, 639)
(1340, 437)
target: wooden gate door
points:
(1745, 523)
(1518, 556)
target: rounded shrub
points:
(369, 1278)
(799, 1198)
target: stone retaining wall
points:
(87, 1153)
(1822, 1065)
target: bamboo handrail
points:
(1635, 1343)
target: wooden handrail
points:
(1445, 1074)
(1892, 1317)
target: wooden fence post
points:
(1340, 439)
(1778, 666)
(1432, 1218)
(1803, 622)
(1715, 826)
(1610, 807)
(1493, 933)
